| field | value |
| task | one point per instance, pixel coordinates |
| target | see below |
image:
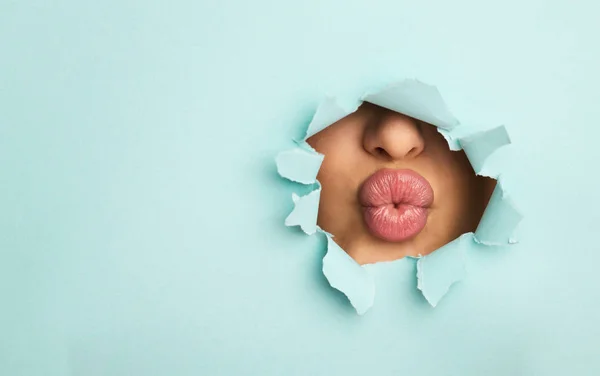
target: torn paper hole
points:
(435, 277)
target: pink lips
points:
(396, 203)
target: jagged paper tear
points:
(499, 221)
(438, 271)
(480, 146)
(328, 112)
(306, 209)
(348, 276)
(453, 143)
(299, 165)
(417, 100)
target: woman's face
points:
(391, 187)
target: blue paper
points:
(349, 277)
(141, 226)
(304, 214)
(439, 270)
(499, 221)
(299, 165)
(480, 146)
(415, 99)
(328, 112)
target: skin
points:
(373, 138)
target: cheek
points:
(338, 174)
(453, 180)
(340, 179)
(343, 151)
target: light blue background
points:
(141, 217)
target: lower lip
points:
(396, 203)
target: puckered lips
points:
(395, 203)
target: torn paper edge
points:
(499, 220)
(346, 275)
(299, 165)
(328, 112)
(415, 99)
(305, 212)
(439, 270)
(479, 146)
(424, 102)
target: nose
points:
(393, 136)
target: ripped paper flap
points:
(306, 210)
(439, 270)
(328, 112)
(415, 99)
(299, 165)
(480, 146)
(499, 221)
(349, 277)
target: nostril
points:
(412, 152)
(381, 151)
